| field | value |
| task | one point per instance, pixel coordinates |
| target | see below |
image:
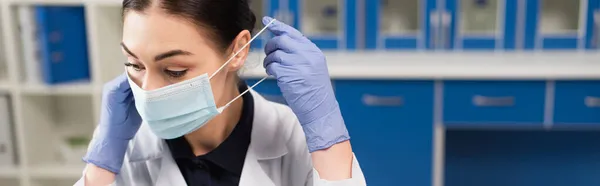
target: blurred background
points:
(434, 92)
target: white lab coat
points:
(277, 156)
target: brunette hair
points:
(222, 20)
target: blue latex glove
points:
(119, 122)
(301, 72)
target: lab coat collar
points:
(169, 173)
(269, 138)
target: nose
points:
(153, 82)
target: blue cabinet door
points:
(262, 8)
(577, 104)
(391, 129)
(330, 24)
(491, 104)
(401, 24)
(480, 24)
(560, 24)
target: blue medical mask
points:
(179, 109)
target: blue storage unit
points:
(522, 158)
(262, 8)
(330, 24)
(479, 24)
(62, 35)
(391, 126)
(442, 24)
(560, 24)
(494, 103)
(577, 103)
(401, 24)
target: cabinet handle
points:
(592, 102)
(434, 22)
(595, 39)
(390, 101)
(446, 20)
(483, 101)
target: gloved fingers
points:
(278, 57)
(282, 42)
(119, 84)
(123, 82)
(273, 57)
(118, 89)
(273, 69)
(278, 28)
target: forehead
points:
(155, 31)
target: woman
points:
(201, 127)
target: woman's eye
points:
(135, 67)
(176, 74)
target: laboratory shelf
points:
(56, 171)
(5, 86)
(449, 65)
(78, 88)
(9, 171)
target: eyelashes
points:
(135, 67)
(176, 74)
(171, 73)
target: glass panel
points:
(559, 16)
(479, 16)
(257, 7)
(321, 17)
(400, 17)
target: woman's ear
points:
(240, 40)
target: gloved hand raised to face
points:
(119, 122)
(301, 72)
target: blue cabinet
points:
(494, 103)
(441, 24)
(391, 128)
(577, 103)
(560, 24)
(400, 24)
(262, 8)
(522, 158)
(330, 24)
(479, 24)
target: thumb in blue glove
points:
(119, 122)
(301, 72)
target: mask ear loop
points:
(220, 109)
(237, 97)
(243, 47)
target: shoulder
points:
(274, 119)
(277, 131)
(278, 135)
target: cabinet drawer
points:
(577, 102)
(494, 102)
(268, 89)
(393, 114)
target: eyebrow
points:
(162, 56)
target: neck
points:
(211, 135)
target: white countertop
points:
(452, 65)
